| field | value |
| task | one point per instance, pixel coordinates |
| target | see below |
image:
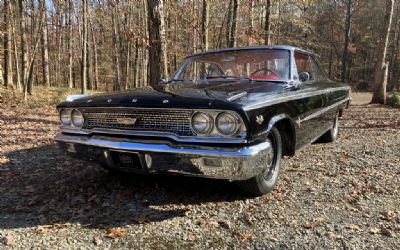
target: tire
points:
(332, 134)
(265, 182)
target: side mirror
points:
(304, 76)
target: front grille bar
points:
(138, 119)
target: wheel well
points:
(287, 132)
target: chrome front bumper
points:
(223, 162)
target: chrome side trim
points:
(323, 110)
(120, 144)
(290, 97)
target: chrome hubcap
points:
(270, 162)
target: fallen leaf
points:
(188, 212)
(246, 236)
(386, 232)
(115, 232)
(389, 216)
(9, 240)
(225, 224)
(354, 227)
(311, 225)
(374, 230)
(97, 241)
(248, 220)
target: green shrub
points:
(394, 99)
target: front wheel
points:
(266, 181)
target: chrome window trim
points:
(290, 97)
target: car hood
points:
(184, 95)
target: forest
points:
(110, 45)
(338, 195)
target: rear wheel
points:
(266, 181)
(331, 134)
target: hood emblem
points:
(89, 100)
(109, 100)
(165, 101)
(134, 100)
(259, 119)
(126, 120)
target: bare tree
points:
(8, 73)
(24, 46)
(95, 55)
(84, 47)
(45, 47)
(347, 30)
(232, 33)
(155, 29)
(381, 68)
(15, 47)
(204, 24)
(267, 27)
(116, 43)
(70, 40)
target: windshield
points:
(269, 65)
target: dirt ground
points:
(340, 195)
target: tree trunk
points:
(95, 56)
(345, 57)
(8, 73)
(84, 47)
(204, 24)
(24, 46)
(155, 30)
(115, 42)
(15, 47)
(232, 33)
(45, 47)
(250, 28)
(70, 44)
(163, 37)
(228, 23)
(381, 68)
(267, 27)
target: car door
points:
(312, 121)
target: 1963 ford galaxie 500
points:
(229, 114)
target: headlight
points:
(77, 118)
(227, 123)
(65, 117)
(202, 123)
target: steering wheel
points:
(266, 72)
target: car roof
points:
(282, 47)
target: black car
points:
(227, 114)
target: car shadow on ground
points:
(44, 186)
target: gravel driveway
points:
(339, 195)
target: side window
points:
(317, 73)
(307, 64)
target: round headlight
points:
(77, 118)
(227, 123)
(202, 123)
(65, 117)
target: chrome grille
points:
(152, 120)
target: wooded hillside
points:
(115, 45)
